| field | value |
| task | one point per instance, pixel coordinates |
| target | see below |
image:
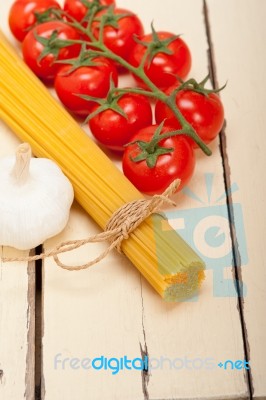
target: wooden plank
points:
(110, 311)
(244, 98)
(17, 291)
(209, 327)
(88, 314)
(17, 298)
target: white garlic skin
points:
(36, 210)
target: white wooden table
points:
(74, 320)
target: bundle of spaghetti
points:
(168, 263)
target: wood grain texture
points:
(92, 321)
(17, 289)
(245, 100)
(30, 360)
(109, 310)
(17, 297)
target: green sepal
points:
(103, 107)
(93, 8)
(111, 19)
(151, 150)
(157, 45)
(108, 103)
(199, 87)
(51, 14)
(51, 45)
(85, 59)
(151, 159)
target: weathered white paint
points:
(238, 35)
(109, 310)
(17, 290)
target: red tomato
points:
(163, 68)
(77, 10)
(86, 80)
(120, 40)
(204, 112)
(22, 18)
(179, 163)
(46, 69)
(114, 130)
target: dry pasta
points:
(168, 263)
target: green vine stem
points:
(99, 49)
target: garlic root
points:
(21, 169)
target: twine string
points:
(119, 227)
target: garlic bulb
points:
(35, 199)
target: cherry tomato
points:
(77, 10)
(22, 17)
(163, 68)
(32, 49)
(204, 112)
(86, 80)
(119, 40)
(178, 163)
(115, 130)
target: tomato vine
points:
(98, 48)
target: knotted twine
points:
(118, 228)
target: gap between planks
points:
(30, 360)
(236, 267)
(39, 382)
